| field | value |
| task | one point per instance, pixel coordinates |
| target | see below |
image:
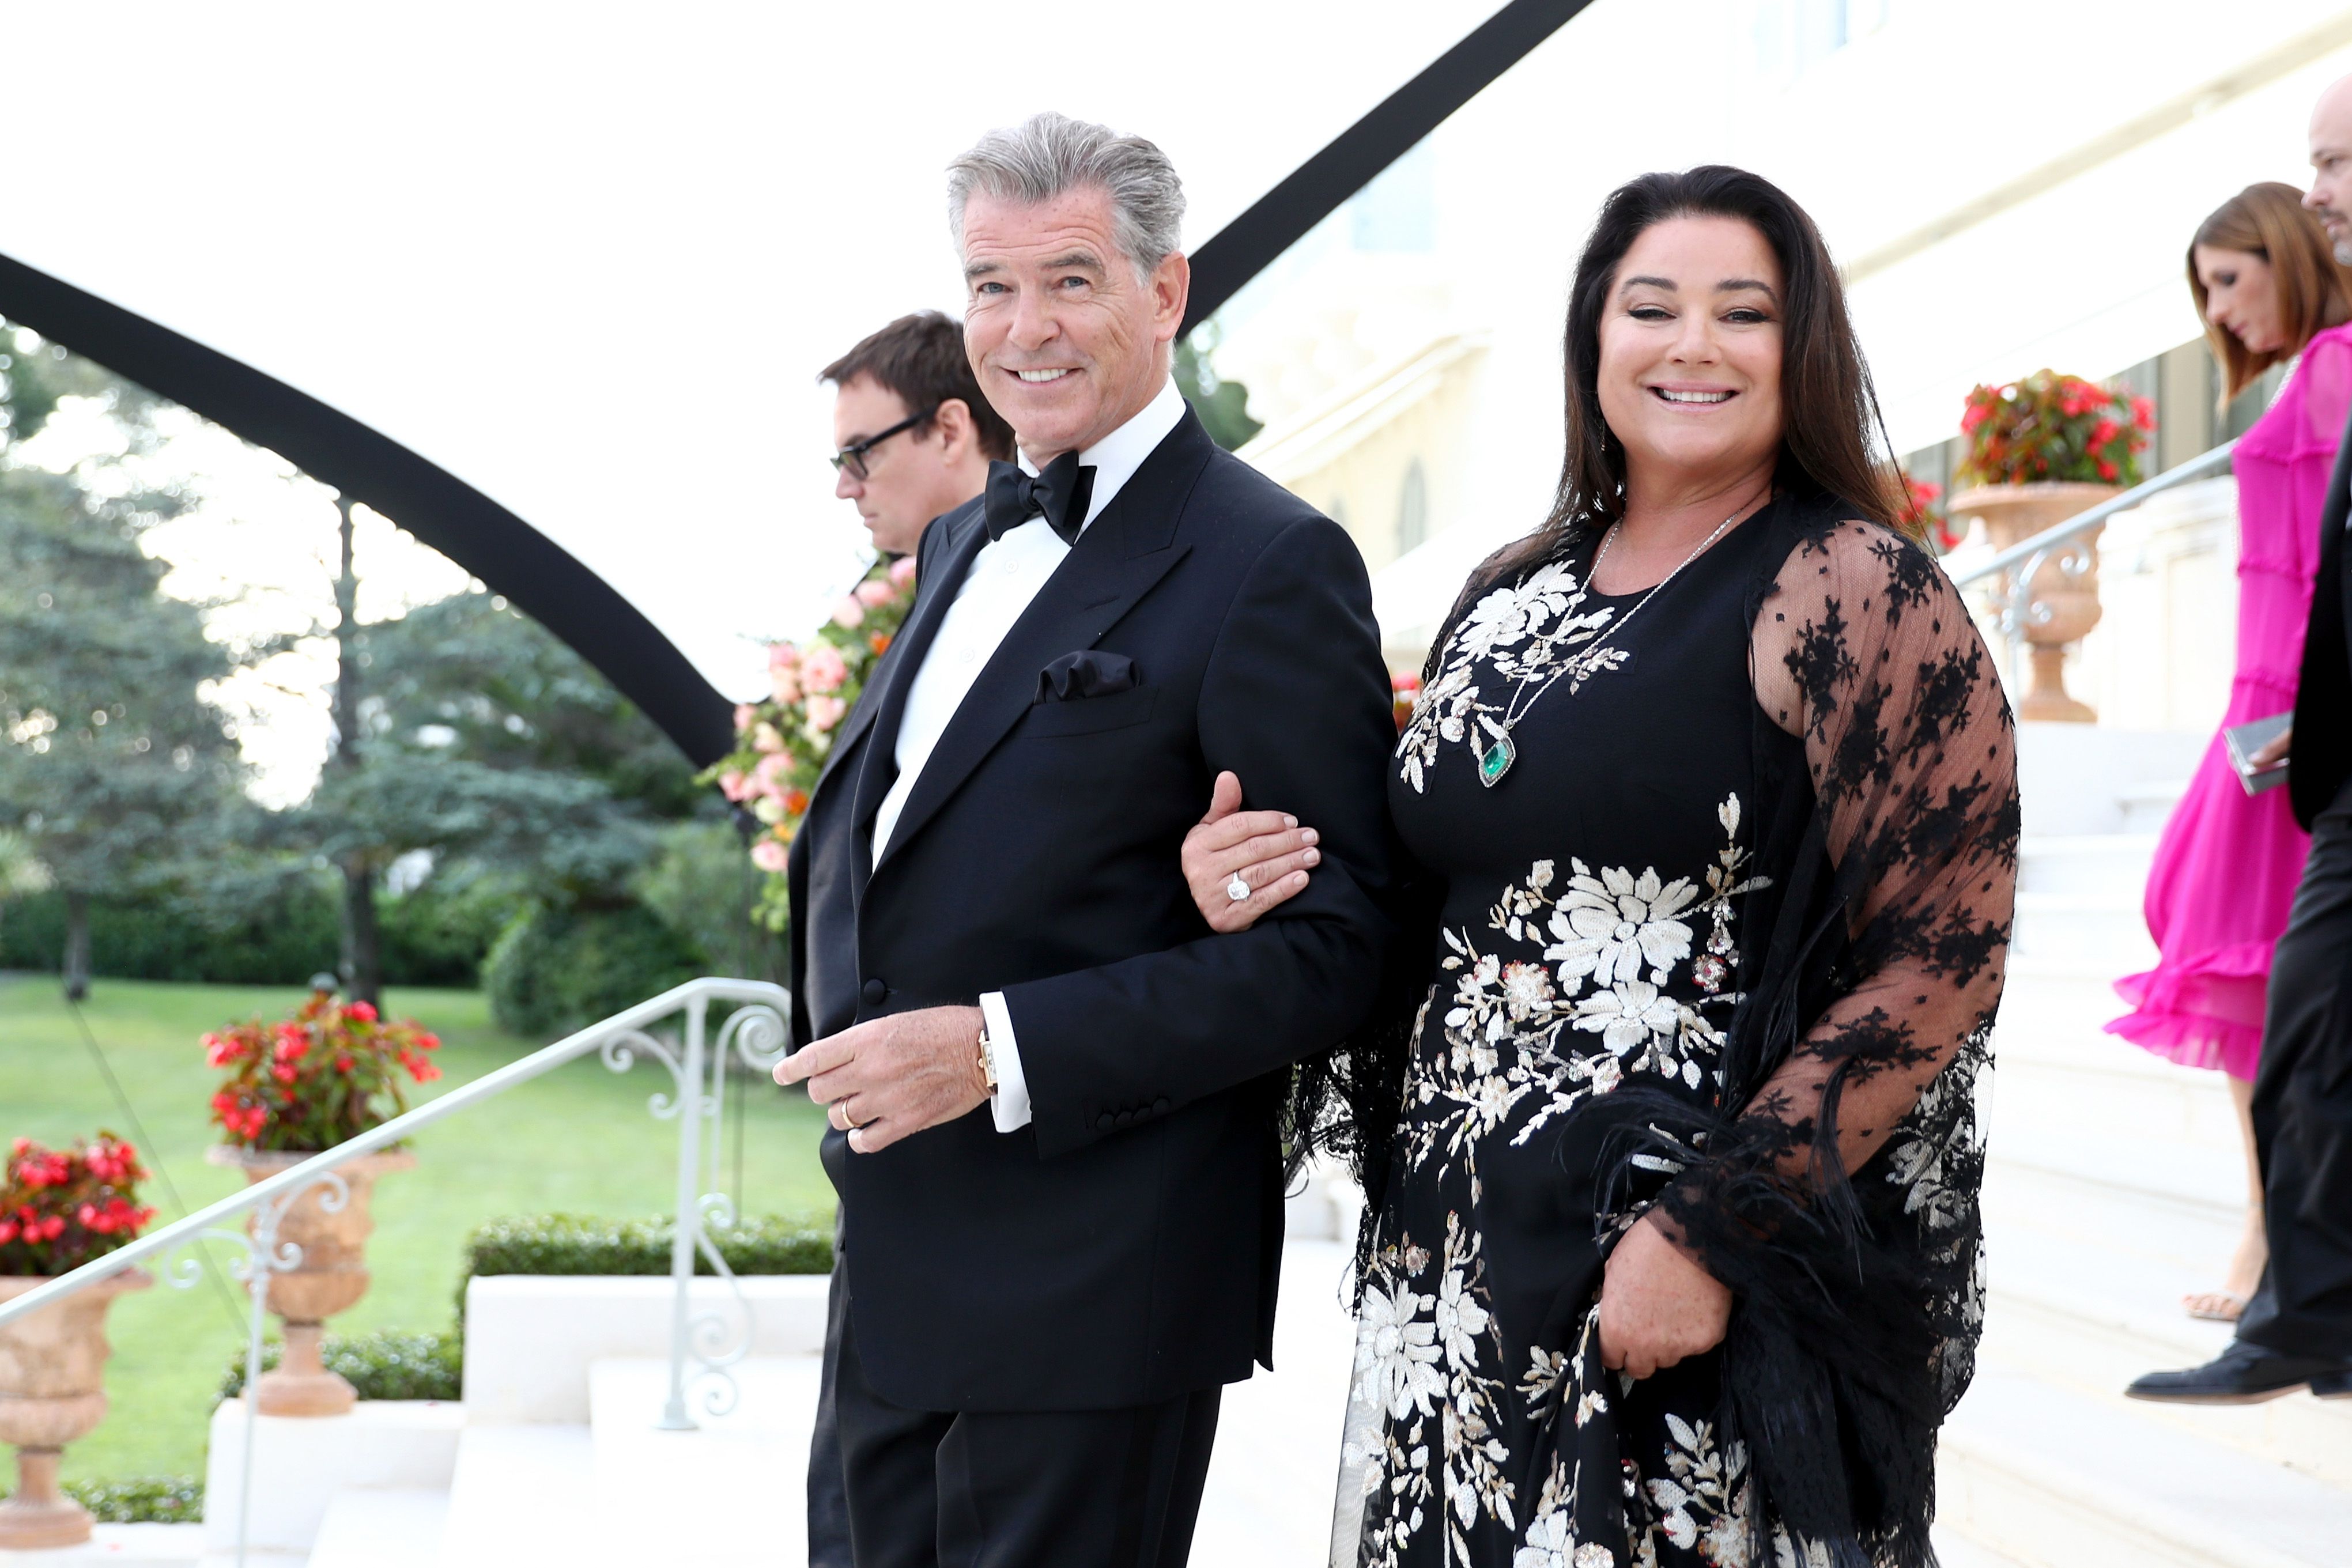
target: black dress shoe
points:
(2245, 1375)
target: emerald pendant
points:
(1497, 760)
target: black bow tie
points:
(1059, 494)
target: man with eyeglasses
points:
(914, 434)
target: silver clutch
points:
(2243, 740)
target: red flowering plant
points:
(1404, 691)
(2054, 427)
(1926, 500)
(781, 744)
(327, 1073)
(61, 1208)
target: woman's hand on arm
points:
(1268, 849)
(1657, 1306)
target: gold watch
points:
(987, 1060)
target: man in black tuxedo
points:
(1054, 1092)
(2296, 1332)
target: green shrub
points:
(385, 1365)
(555, 970)
(704, 884)
(584, 1244)
(281, 935)
(143, 1499)
(441, 934)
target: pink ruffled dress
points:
(2228, 863)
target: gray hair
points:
(1049, 153)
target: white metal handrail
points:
(2057, 534)
(2063, 547)
(755, 1032)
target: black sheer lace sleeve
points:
(1865, 649)
(1838, 1196)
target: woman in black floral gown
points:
(1672, 1252)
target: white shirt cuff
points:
(1011, 1106)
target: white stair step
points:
(2059, 1479)
(2206, 1181)
(1954, 1549)
(2104, 934)
(2148, 807)
(729, 1494)
(2106, 1241)
(526, 1494)
(2086, 1348)
(371, 1528)
(2110, 865)
(2033, 1097)
(147, 1546)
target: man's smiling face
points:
(1068, 342)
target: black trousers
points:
(2303, 1111)
(828, 1497)
(1063, 1488)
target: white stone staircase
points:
(2115, 1185)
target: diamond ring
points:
(1237, 890)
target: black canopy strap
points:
(535, 573)
(1280, 218)
(539, 576)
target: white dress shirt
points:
(1005, 575)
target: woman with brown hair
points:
(2270, 292)
(1670, 1144)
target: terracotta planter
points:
(52, 1393)
(2014, 514)
(332, 1279)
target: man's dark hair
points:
(921, 358)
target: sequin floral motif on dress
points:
(1531, 633)
(1578, 982)
(1608, 942)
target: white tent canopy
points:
(588, 259)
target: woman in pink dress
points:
(2270, 292)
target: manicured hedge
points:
(385, 1365)
(143, 1499)
(585, 1244)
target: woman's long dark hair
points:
(1828, 405)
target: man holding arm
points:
(1055, 1093)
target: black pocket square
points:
(1090, 673)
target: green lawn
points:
(578, 1139)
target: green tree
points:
(112, 762)
(466, 729)
(1222, 405)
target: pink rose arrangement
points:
(781, 744)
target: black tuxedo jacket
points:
(1121, 1249)
(2322, 756)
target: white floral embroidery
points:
(1396, 1351)
(1528, 632)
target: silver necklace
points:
(1496, 759)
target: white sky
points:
(589, 257)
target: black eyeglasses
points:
(853, 457)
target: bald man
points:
(2297, 1331)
